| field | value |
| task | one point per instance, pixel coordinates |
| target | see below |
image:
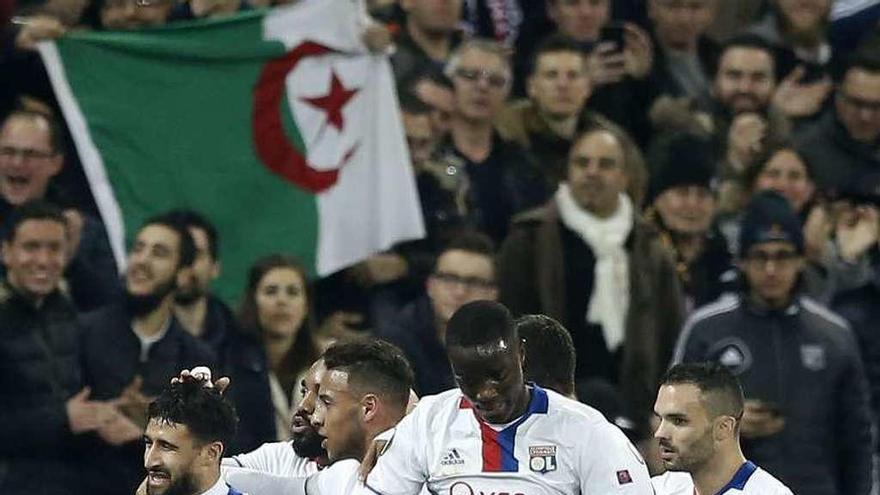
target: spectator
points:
(464, 272)
(550, 357)
(685, 57)
(128, 15)
(501, 178)
(435, 90)
(31, 155)
(798, 30)
(47, 415)
(587, 260)
(620, 57)
(276, 309)
(683, 209)
(558, 87)
(844, 145)
(428, 37)
(807, 418)
(207, 9)
(783, 169)
(188, 432)
(209, 319)
(132, 347)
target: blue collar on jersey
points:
(233, 491)
(740, 478)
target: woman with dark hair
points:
(784, 170)
(276, 308)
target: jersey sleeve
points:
(338, 479)
(402, 469)
(608, 463)
(251, 481)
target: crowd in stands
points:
(671, 180)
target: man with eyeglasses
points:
(464, 272)
(845, 144)
(30, 157)
(501, 177)
(806, 418)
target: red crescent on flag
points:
(272, 145)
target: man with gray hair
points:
(497, 177)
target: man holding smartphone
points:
(806, 417)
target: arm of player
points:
(402, 468)
(610, 464)
(251, 481)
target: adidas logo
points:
(452, 458)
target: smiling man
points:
(188, 429)
(130, 348)
(700, 408)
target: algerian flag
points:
(278, 125)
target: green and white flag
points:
(279, 125)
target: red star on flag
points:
(333, 101)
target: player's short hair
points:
(209, 416)
(373, 366)
(186, 247)
(480, 322)
(720, 391)
(194, 219)
(549, 350)
(555, 43)
(37, 209)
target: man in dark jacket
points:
(844, 145)
(131, 348)
(806, 418)
(47, 420)
(587, 260)
(464, 272)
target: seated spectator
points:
(558, 87)
(464, 272)
(683, 209)
(844, 144)
(48, 416)
(130, 348)
(807, 418)
(31, 156)
(587, 260)
(685, 57)
(498, 177)
(240, 356)
(428, 36)
(276, 309)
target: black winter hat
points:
(681, 159)
(769, 217)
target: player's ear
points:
(213, 453)
(725, 428)
(369, 407)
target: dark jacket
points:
(112, 359)
(39, 372)
(664, 81)
(533, 277)
(836, 160)
(861, 308)
(805, 361)
(414, 332)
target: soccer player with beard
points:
(187, 432)
(700, 408)
(130, 348)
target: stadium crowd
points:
(669, 181)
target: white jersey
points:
(748, 480)
(559, 446)
(277, 458)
